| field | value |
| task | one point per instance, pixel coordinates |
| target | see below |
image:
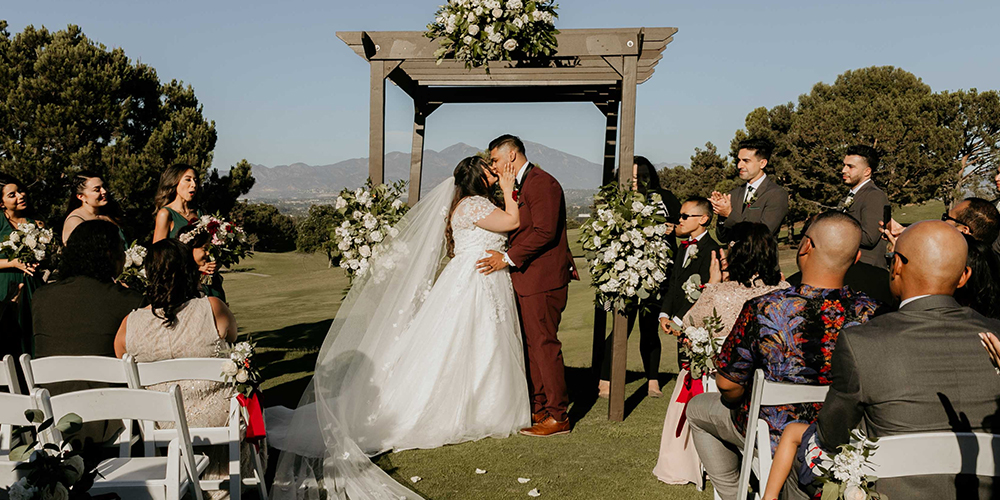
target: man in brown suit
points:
(541, 268)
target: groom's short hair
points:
(510, 141)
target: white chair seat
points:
(139, 470)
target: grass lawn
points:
(287, 301)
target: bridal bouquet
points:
(365, 217)
(843, 475)
(228, 244)
(626, 246)
(29, 243)
(702, 344)
(134, 274)
(50, 472)
(479, 31)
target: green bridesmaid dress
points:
(10, 278)
(214, 287)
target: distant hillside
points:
(299, 181)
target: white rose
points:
(396, 204)
(497, 13)
(518, 23)
(853, 492)
(646, 212)
(365, 251)
(467, 39)
(471, 17)
(547, 17)
(229, 368)
(510, 44)
(242, 376)
(496, 38)
(537, 15)
(649, 231)
(39, 254)
(45, 237)
(450, 28)
(479, 11)
(514, 4)
(356, 214)
(370, 221)
(344, 245)
(340, 203)
(376, 236)
(620, 265)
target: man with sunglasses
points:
(693, 257)
(975, 217)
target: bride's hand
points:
(507, 177)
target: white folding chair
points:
(8, 378)
(12, 408)
(171, 370)
(757, 443)
(159, 478)
(54, 369)
(925, 453)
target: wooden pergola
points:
(602, 66)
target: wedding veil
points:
(319, 457)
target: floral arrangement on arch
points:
(479, 31)
(134, 274)
(627, 248)
(29, 243)
(365, 217)
(228, 244)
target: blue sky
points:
(282, 88)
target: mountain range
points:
(300, 181)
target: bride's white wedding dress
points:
(410, 361)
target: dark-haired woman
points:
(982, 291)
(180, 323)
(749, 270)
(18, 280)
(199, 241)
(646, 181)
(88, 200)
(175, 195)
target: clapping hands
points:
(722, 204)
(992, 345)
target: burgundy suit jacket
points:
(539, 248)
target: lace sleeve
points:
(470, 211)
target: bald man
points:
(920, 369)
(789, 333)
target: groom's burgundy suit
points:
(542, 268)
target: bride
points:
(410, 361)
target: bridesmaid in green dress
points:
(175, 211)
(14, 274)
(89, 200)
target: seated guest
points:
(750, 270)
(180, 323)
(918, 369)
(981, 292)
(975, 217)
(79, 314)
(790, 334)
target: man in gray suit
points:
(865, 202)
(759, 200)
(920, 369)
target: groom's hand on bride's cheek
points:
(492, 263)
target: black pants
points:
(649, 344)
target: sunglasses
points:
(945, 217)
(892, 255)
(688, 216)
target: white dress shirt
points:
(911, 299)
(752, 188)
(857, 188)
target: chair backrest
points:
(927, 453)
(170, 370)
(8, 375)
(53, 369)
(12, 408)
(116, 403)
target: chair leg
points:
(259, 470)
(235, 480)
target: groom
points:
(541, 268)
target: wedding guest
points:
(646, 181)
(865, 201)
(180, 323)
(758, 200)
(18, 280)
(975, 217)
(199, 241)
(693, 257)
(982, 291)
(790, 334)
(79, 314)
(89, 200)
(175, 207)
(918, 369)
(750, 270)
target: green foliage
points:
(314, 230)
(479, 31)
(975, 117)
(274, 231)
(708, 172)
(51, 471)
(219, 193)
(68, 104)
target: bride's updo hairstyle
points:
(470, 180)
(173, 279)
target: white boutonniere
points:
(692, 254)
(848, 201)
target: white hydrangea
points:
(497, 13)
(21, 491)
(370, 221)
(514, 4)
(375, 236)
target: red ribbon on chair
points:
(255, 417)
(690, 388)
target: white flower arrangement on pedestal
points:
(365, 218)
(479, 31)
(627, 248)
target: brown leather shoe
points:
(538, 417)
(547, 427)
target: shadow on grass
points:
(303, 336)
(582, 386)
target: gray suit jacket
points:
(920, 369)
(867, 210)
(769, 207)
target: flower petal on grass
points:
(534, 493)
(523, 480)
(415, 479)
(480, 471)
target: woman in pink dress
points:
(749, 270)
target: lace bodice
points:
(468, 236)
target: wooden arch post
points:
(601, 66)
